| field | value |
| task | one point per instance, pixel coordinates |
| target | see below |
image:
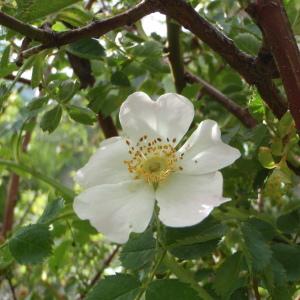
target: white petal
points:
(174, 116)
(187, 200)
(168, 117)
(106, 165)
(204, 151)
(117, 209)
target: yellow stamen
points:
(153, 161)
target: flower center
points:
(152, 160)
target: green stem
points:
(67, 193)
(185, 276)
(158, 259)
(3, 245)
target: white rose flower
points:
(125, 176)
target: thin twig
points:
(241, 113)
(105, 264)
(12, 288)
(174, 54)
(82, 68)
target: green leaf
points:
(289, 257)
(228, 276)
(67, 193)
(286, 124)
(31, 244)
(5, 58)
(147, 49)
(170, 289)
(209, 229)
(29, 10)
(67, 89)
(8, 69)
(75, 15)
(256, 250)
(51, 119)
(289, 222)
(117, 287)
(119, 78)
(37, 70)
(248, 43)
(37, 103)
(52, 209)
(5, 258)
(265, 158)
(87, 48)
(81, 114)
(195, 250)
(139, 251)
(257, 106)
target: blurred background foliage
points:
(62, 100)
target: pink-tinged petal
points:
(204, 151)
(116, 210)
(187, 200)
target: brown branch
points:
(12, 194)
(51, 39)
(105, 264)
(270, 15)
(89, 4)
(107, 125)
(82, 68)
(241, 113)
(29, 31)
(254, 72)
(174, 54)
(21, 80)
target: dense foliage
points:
(58, 103)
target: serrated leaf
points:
(117, 287)
(257, 251)
(52, 209)
(170, 289)
(31, 244)
(228, 277)
(138, 251)
(51, 119)
(289, 257)
(119, 78)
(81, 114)
(289, 222)
(248, 43)
(87, 48)
(29, 10)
